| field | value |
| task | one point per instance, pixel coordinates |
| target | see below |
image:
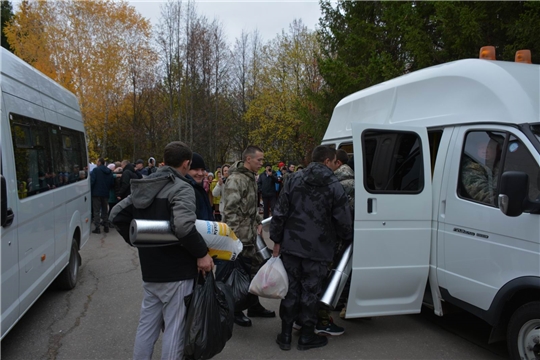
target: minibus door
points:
(392, 226)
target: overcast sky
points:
(269, 17)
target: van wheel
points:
(68, 277)
(524, 332)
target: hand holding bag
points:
(271, 280)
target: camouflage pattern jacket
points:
(345, 176)
(241, 204)
(479, 181)
(312, 214)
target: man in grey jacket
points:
(312, 215)
(168, 272)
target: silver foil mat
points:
(147, 233)
(338, 279)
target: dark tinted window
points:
(393, 162)
(481, 165)
(47, 156)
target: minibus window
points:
(46, 155)
(393, 162)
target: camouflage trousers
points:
(306, 278)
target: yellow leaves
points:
(87, 46)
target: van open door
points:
(392, 227)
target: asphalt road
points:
(98, 320)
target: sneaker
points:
(330, 329)
(297, 326)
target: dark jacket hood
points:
(129, 167)
(317, 174)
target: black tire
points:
(68, 277)
(524, 332)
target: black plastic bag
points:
(236, 274)
(209, 320)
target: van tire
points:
(68, 277)
(523, 330)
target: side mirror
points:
(6, 213)
(514, 193)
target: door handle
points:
(370, 206)
(9, 218)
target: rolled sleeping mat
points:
(338, 279)
(219, 237)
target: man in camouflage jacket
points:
(241, 213)
(312, 215)
(345, 175)
(479, 178)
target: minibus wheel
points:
(524, 332)
(68, 277)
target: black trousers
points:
(99, 208)
(306, 278)
(268, 203)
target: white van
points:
(447, 206)
(45, 190)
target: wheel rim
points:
(529, 340)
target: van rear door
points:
(392, 227)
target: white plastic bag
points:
(271, 280)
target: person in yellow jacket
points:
(215, 199)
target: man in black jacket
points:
(267, 186)
(168, 272)
(311, 216)
(128, 174)
(102, 181)
(195, 177)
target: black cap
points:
(197, 162)
(139, 161)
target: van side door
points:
(392, 225)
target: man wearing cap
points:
(151, 168)
(139, 164)
(195, 177)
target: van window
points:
(480, 166)
(393, 162)
(518, 158)
(47, 156)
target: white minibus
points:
(447, 195)
(45, 190)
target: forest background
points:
(141, 87)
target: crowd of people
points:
(311, 208)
